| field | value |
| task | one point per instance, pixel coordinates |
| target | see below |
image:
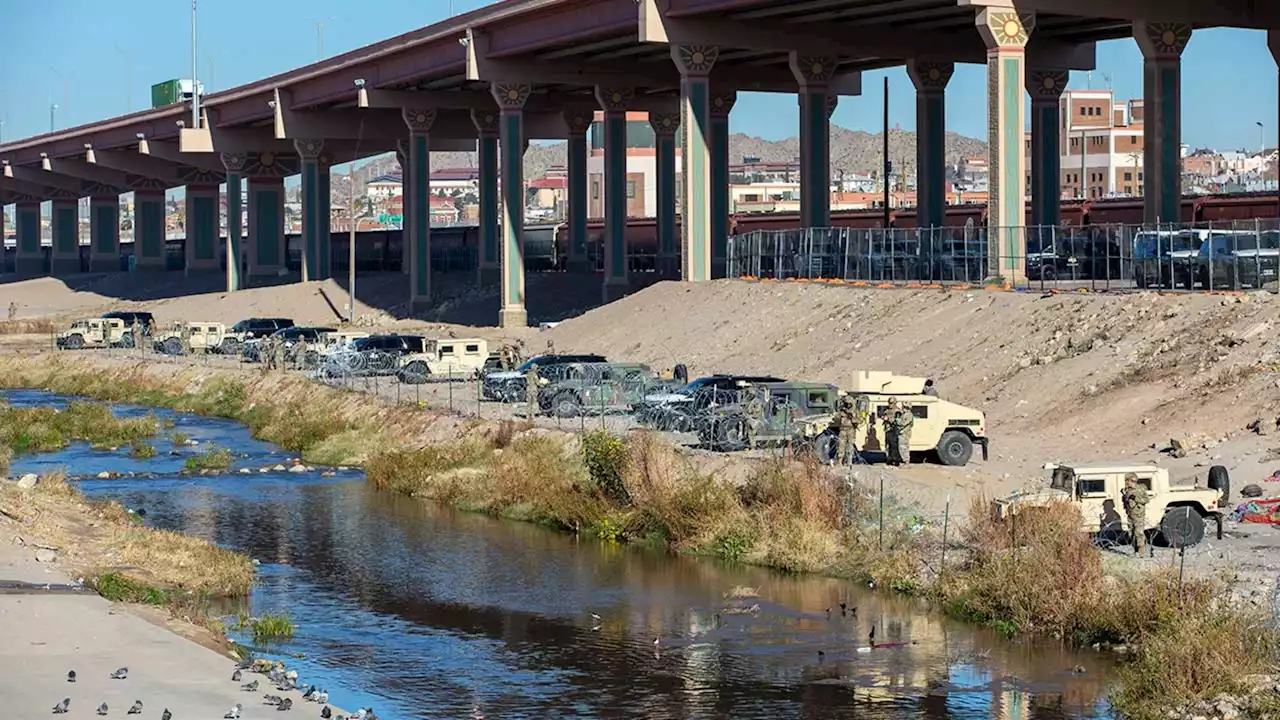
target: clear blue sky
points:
(77, 53)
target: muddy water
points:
(424, 612)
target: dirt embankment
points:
(1069, 376)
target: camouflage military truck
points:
(596, 388)
(197, 337)
(1095, 489)
(942, 430)
(724, 426)
(95, 333)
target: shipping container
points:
(165, 93)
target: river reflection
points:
(424, 612)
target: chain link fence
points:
(1199, 257)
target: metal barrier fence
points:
(1200, 257)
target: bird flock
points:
(275, 674)
(64, 707)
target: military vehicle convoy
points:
(1095, 489)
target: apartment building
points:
(642, 167)
(1101, 145)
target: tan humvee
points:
(95, 333)
(1096, 489)
(453, 358)
(943, 429)
(198, 337)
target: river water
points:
(423, 612)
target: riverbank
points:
(1185, 644)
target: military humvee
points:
(196, 337)
(1095, 490)
(596, 388)
(95, 333)
(453, 358)
(943, 430)
(723, 427)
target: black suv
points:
(508, 386)
(129, 317)
(380, 354)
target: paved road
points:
(44, 636)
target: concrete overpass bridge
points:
(493, 79)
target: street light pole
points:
(351, 243)
(319, 40)
(52, 108)
(128, 68)
(195, 84)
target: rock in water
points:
(28, 481)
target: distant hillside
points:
(851, 151)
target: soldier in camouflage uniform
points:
(1134, 498)
(753, 412)
(898, 433)
(135, 332)
(531, 382)
(279, 351)
(846, 423)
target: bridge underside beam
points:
(1228, 13)
(848, 42)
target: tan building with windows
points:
(642, 167)
(1102, 147)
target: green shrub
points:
(271, 627)
(605, 456)
(141, 450)
(214, 458)
(119, 588)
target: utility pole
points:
(351, 242)
(195, 84)
(319, 40)
(887, 164)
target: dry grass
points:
(95, 538)
(35, 326)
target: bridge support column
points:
(1045, 88)
(1162, 45)
(930, 79)
(511, 98)
(266, 226)
(309, 152)
(578, 121)
(695, 63)
(665, 126)
(234, 165)
(202, 228)
(614, 103)
(65, 214)
(816, 105)
(324, 214)
(721, 105)
(1273, 41)
(417, 205)
(104, 233)
(402, 158)
(1005, 32)
(488, 252)
(28, 258)
(148, 230)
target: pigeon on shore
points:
(285, 704)
(71, 676)
(61, 707)
(235, 676)
(250, 687)
(326, 713)
(271, 699)
(233, 713)
(166, 715)
(136, 709)
(120, 674)
(102, 709)
(322, 697)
